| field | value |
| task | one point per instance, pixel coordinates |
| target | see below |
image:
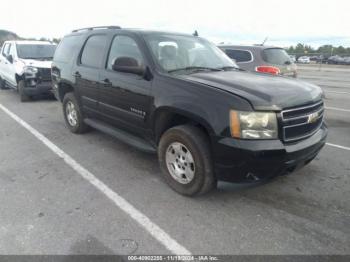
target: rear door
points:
(125, 97)
(87, 71)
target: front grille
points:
(44, 74)
(302, 122)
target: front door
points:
(7, 67)
(4, 51)
(125, 97)
(11, 69)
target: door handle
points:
(77, 74)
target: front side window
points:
(239, 55)
(179, 53)
(124, 46)
(35, 51)
(12, 51)
(93, 51)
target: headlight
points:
(30, 70)
(253, 125)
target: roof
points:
(145, 31)
(250, 46)
(115, 28)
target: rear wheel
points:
(73, 115)
(23, 96)
(185, 159)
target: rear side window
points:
(67, 48)
(276, 56)
(239, 55)
(93, 51)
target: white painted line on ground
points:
(164, 238)
(337, 109)
(338, 146)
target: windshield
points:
(35, 51)
(276, 56)
(181, 54)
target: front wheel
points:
(23, 96)
(73, 115)
(185, 159)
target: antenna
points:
(263, 43)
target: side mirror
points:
(10, 58)
(128, 65)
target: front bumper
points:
(246, 160)
(38, 89)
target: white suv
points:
(26, 67)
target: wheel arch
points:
(64, 88)
(168, 117)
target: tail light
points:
(268, 70)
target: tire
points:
(198, 177)
(73, 115)
(22, 95)
(2, 84)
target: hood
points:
(36, 63)
(263, 91)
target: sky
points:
(284, 22)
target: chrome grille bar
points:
(302, 122)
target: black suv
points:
(182, 97)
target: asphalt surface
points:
(48, 208)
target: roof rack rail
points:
(96, 27)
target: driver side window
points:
(12, 51)
(122, 47)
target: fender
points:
(206, 105)
(185, 113)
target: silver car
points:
(265, 59)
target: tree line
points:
(7, 35)
(301, 49)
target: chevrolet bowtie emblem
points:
(312, 118)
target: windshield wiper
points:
(226, 68)
(38, 58)
(195, 68)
